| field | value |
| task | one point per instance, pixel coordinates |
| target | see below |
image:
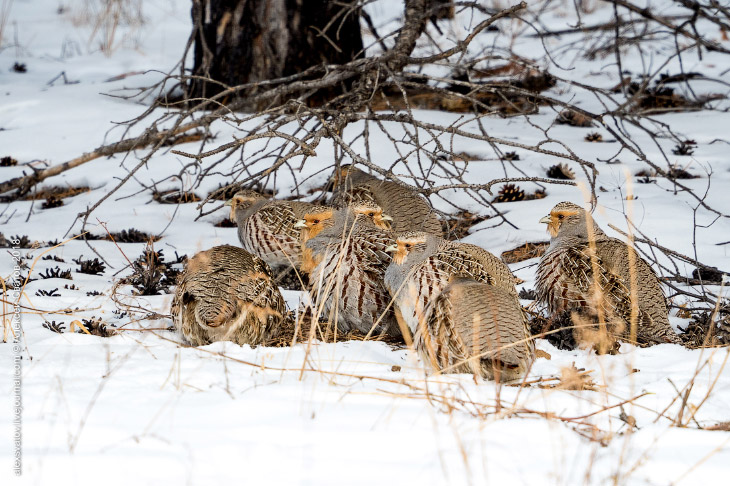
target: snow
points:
(138, 407)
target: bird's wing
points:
(471, 261)
(280, 220)
(615, 296)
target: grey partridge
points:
(477, 328)
(267, 228)
(459, 302)
(227, 294)
(348, 263)
(594, 278)
(409, 210)
(319, 218)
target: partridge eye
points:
(408, 245)
(371, 214)
(316, 221)
(560, 216)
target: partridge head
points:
(413, 246)
(243, 200)
(567, 219)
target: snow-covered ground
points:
(138, 407)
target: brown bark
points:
(248, 41)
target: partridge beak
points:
(391, 248)
(385, 217)
(229, 202)
(300, 224)
(546, 220)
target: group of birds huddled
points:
(374, 260)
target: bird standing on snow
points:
(459, 302)
(573, 276)
(227, 294)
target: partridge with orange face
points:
(585, 270)
(227, 294)
(321, 218)
(459, 302)
(346, 260)
(267, 228)
(409, 210)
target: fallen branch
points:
(25, 183)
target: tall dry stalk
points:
(4, 16)
(106, 17)
(603, 339)
(633, 279)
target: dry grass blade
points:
(4, 16)
(572, 378)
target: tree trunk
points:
(248, 41)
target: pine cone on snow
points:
(561, 171)
(510, 193)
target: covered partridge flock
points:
(377, 263)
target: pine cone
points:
(561, 171)
(510, 193)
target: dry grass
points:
(4, 16)
(525, 252)
(106, 17)
(572, 378)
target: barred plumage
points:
(477, 328)
(566, 279)
(267, 228)
(227, 294)
(409, 210)
(320, 218)
(431, 263)
(441, 287)
(348, 264)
